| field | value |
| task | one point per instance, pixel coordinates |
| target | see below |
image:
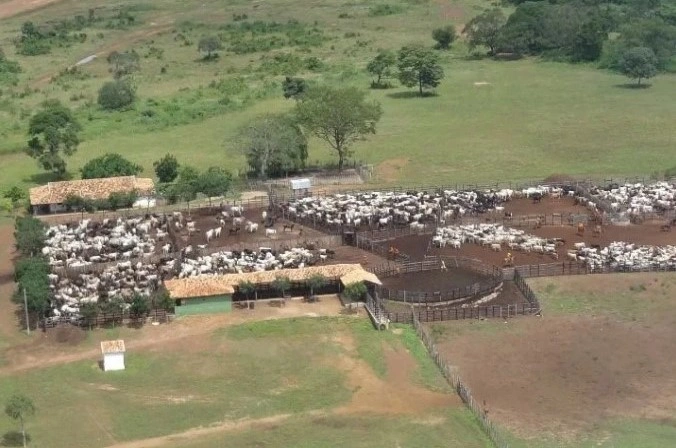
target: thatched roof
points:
(212, 285)
(359, 275)
(57, 192)
(116, 346)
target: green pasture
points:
(250, 371)
(524, 119)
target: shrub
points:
(109, 165)
(385, 9)
(115, 95)
(166, 168)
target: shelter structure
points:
(213, 293)
(300, 187)
(113, 355)
(51, 198)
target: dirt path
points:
(15, 7)
(43, 351)
(201, 431)
(8, 323)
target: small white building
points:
(113, 355)
(300, 187)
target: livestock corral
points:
(489, 229)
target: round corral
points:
(439, 280)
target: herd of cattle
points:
(125, 244)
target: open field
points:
(532, 119)
(244, 382)
(590, 372)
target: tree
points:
(115, 95)
(19, 407)
(282, 284)
(186, 186)
(123, 64)
(34, 281)
(639, 63)
(419, 66)
(208, 45)
(89, 312)
(339, 116)
(273, 145)
(314, 282)
(355, 291)
(484, 29)
(139, 305)
(381, 67)
(109, 165)
(214, 181)
(52, 131)
(162, 300)
(293, 87)
(444, 36)
(29, 235)
(246, 287)
(15, 194)
(166, 168)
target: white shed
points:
(113, 355)
(300, 186)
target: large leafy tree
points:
(484, 29)
(381, 67)
(186, 186)
(444, 36)
(419, 66)
(109, 165)
(29, 234)
(339, 116)
(118, 94)
(639, 63)
(53, 131)
(214, 181)
(31, 275)
(273, 145)
(166, 168)
(19, 407)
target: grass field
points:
(596, 373)
(532, 119)
(257, 384)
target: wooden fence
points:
(439, 314)
(526, 290)
(459, 386)
(494, 275)
(575, 268)
(104, 319)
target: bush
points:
(29, 234)
(444, 36)
(385, 9)
(109, 165)
(115, 95)
(166, 168)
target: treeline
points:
(580, 30)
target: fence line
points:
(437, 314)
(459, 386)
(101, 319)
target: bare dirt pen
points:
(433, 281)
(596, 357)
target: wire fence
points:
(459, 386)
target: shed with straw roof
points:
(113, 355)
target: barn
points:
(50, 198)
(213, 293)
(113, 355)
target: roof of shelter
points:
(211, 285)
(116, 346)
(57, 192)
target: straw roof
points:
(212, 285)
(359, 275)
(116, 346)
(57, 192)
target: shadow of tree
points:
(632, 86)
(14, 438)
(411, 94)
(45, 177)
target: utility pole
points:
(25, 308)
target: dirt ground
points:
(559, 376)
(45, 349)
(204, 222)
(14, 7)
(433, 281)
